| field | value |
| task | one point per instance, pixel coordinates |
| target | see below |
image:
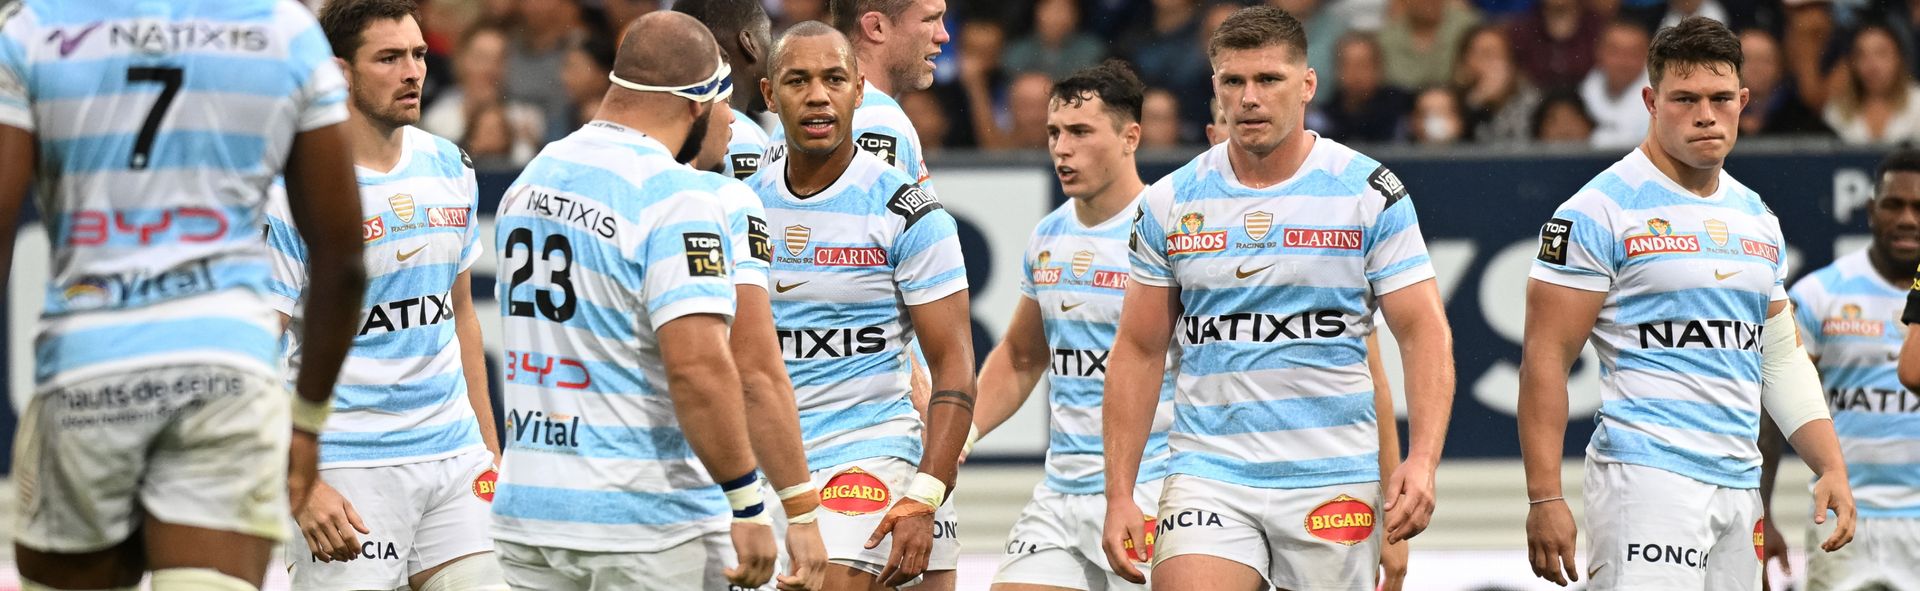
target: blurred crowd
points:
(508, 75)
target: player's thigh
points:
(119, 566)
(934, 580)
(1324, 538)
(1046, 568)
(1646, 528)
(532, 568)
(238, 555)
(1200, 572)
(1202, 522)
(458, 514)
(1734, 562)
(1039, 547)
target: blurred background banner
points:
(1480, 210)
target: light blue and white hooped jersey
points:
(603, 240)
(746, 148)
(749, 251)
(847, 264)
(160, 126)
(1688, 281)
(402, 395)
(880, 128)
(1279, 288)
(1078, 277)
(1849, 318)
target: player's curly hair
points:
(344, 20)
(1256, 27)
(1697, 42)
(1113, 81)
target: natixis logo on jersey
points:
(1189, 236)
(1851, 323)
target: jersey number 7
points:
(170, 78)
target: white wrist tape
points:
(795, 490)
(927, 489)
(973, 436)
(748, 504)
(810, 516)
(1789, 385)
(310, 416)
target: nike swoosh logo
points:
(784, 288)
(68, 44)
(1717, 275)
(403, 256)
(1066, 308)
(1239, 273)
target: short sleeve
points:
(1780, 265)
(15, 38)
(1026, 271)
(322, 96)
(1396, 253)
(927, 264)
(683, 260)
(748, 248)
(472, 252)
(1149, 241)
(1577, 247)
(287, 253)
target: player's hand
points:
(1831, 492)
(329, 523)
(1551, 538)
(911, 523)
(1409, 500)
(807, 556)
(1393, 566)
(303, 468)
(1126, 528)
(1773, 547)
(755, 552)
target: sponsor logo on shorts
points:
(485, 483)
(1669, 554)
(1133, 553)
(855, 492)
(1343, 520)
(374, 550)
(1188, 518)
(1760, 540)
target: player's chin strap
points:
(718, 87)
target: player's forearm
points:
(1006, 381)
(1543, 423)
(1909, 367)
(473, 364)
(950, 410)
(1383, 409)
(1819, 447)
(771, 408)
(324, 199)
(706, 393)
(1426, 352)
(1130, 398)
(17, 148)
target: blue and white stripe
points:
(1273, 388)
(402, 393)
(1077, 275)
(1849, 318)
(845, 329)
(183, 209)
(1678, 334)
(595, 459)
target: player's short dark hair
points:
(1256, 27)
(802, 31)
(344, 20)
(845, 14)
(1113, 82)
(727, 18)
(1905, 159)
(1697, 42)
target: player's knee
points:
(197, 579)
(474, 572)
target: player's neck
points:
(1101, 207)
(1259, 171)
(376, 146)
(647, 118)
(808, 174)
(880, 82)
(1894, 272)
(1702, 182)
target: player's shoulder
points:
(1057, 222)
(447, 157)
(1358, 173)
(1742, 197)
(899, 194)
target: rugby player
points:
(157, 437)
(1673, 270)
(863, 257)
(411, 436)
(1267, 257)
(617, 303)
(1850, 315)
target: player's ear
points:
(766, 94)
(750, 49)
(346, 69)
(873, 26)
(1130, 138)
(1646, 96)
(860, 92)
